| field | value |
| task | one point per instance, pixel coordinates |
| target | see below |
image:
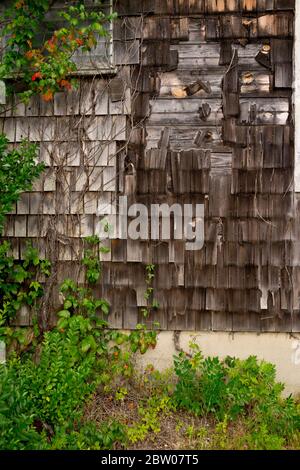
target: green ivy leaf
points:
(62, 323)
(64, 314)
(88, 343)
(105, 308)
(67, 304)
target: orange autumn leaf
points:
(50, 44)
(29, 54)
(66, 84)
(47, 96)
(19, 4)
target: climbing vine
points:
(20, 287)
(45, 68)
(152, 303)
(18, 170)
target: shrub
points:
(233, 388)
(89, 436)
(43, 396)
(43, 393)
(16, 414)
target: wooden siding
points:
(199, 112)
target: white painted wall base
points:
(281, 349)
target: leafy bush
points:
(90, 436)
(43, 393)
(43, 396)
(233, 388)
(16, 416)
(18, 169)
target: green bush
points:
(235, 388)
(89, 436)
(43, 396)
(43, 393)
(16, 414)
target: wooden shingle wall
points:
(199, 112)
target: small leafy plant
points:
(18, 170)
(91, 258)
(149, 421)
(19, 287)
(152, 303)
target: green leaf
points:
(62, 323)
(67, 304)
(105, 308)
(64, 314)
(20, 274)
(104, 249)
(88, 343)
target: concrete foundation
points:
(281, 349)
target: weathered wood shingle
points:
(199, 111)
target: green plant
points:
(19, 287)
(200, 436)
(91, 258)
(141, 339)
(18, 170)
(91, 436)
(150, 414)
(152, 303)
(45, 68)
(232, 388)
(43, 393)
(55, 383)
(220, 436)
(188, 387)
(261, 439)
(80, 301)
(43, 396)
